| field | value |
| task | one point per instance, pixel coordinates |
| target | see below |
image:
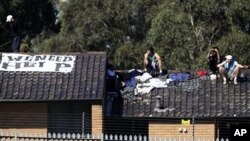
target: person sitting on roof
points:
(213, 57)
(152, 61)
(230, 69)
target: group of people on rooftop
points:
(227, 68)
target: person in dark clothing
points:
(14, 32)
(214, 58)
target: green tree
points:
(33, 16)
(181, 31)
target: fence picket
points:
(145, 138)
(120, 137)
(78, 136)
(54, 135)
(115, 137)
(106, 137)
(140, 138)
(125, 137)
(88, 136)
(111, 137)
(135, 138)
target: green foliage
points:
(181, 31)
(128, 55)
(236, 43)
(33, 16)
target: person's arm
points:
(218, 55)
(242, 66)
(157, 57)
(145, 60)
(145, 57)
(209, 53)
(221, 64)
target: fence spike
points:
(130, 137)
(227, 139)
(145, 138)
(106, 137)
(78, 136)
(88, 136)
(68, 135)
(135, 137)
(120, 137)
(59, 135)
(140, 137)
(63, 135)
(125, 137)
(54, 135)
(115, 137)
(111, 137)
(73, 136)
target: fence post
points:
(15, 136)
(83, 117)
(193, 128)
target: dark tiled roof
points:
(203, 98)
(85, 82)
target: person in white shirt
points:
(229, 69)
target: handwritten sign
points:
(41, 63)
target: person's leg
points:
(16, 44)
(149, 68)
(13, 44)
(235, 74)
(160, 66)
(145, 65)
(223, 72)
(213, 68)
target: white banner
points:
(41, 63)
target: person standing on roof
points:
(152, 61)
(14, 32)
(229, 69)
